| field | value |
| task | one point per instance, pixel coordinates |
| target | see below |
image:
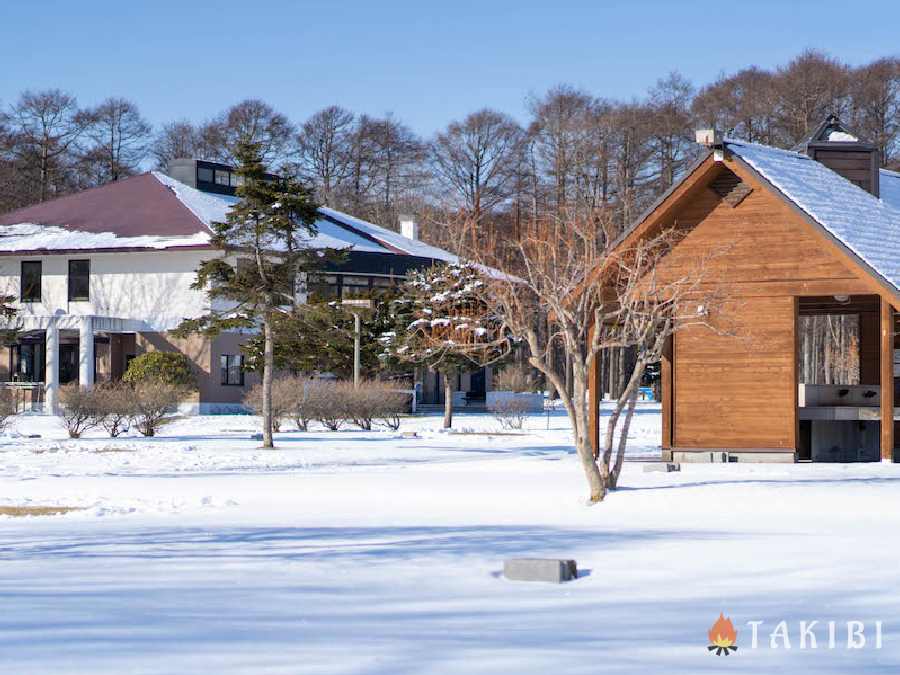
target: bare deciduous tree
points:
(477, 160)
(46, 125)
(119, 134)
(176, 140)
(599, 297)
(324, 151)
(250, 121)
(875, 92)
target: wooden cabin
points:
(814, 231)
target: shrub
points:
(172, 368)
(114, 406)
(516, 377)
(302, 410)
(154, 402)
(8, 406)
(284, 399)
(79, 409)
(324, 401)
(510, 412)
(374, 400)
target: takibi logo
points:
(722, 636)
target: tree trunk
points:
(578, 408)
(268, 367)
(616, 470)
(448, 401)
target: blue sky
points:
(426, 62)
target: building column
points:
(887, 381)
(51, 368)
(86, 352)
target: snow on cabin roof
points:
(889, 187)
(865, 224)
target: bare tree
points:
(396, 166)
(875, 93)
(176, 140)
(46, 126)
(809, 88)
(250, 121)
(599, 297)
(562, 122)
(119, 134)
(324, 151)
(478, 159)
(742, 105)
(670, 124)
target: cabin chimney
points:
(408, 227)
(833, 145)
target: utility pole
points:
(357, 330)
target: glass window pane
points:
(223, 369)
(236, 180)
(204, 175)
(222, 177)
(30, 282)
(79, 280)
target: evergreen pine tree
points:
(265, 240)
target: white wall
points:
(151, 286)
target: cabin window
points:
(236, 180)
(79, 280)
(30, 286)
(223, 177)
(232, 369)
(204, 175)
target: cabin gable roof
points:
(861, 229)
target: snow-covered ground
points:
(368, 552)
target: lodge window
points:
(204, 175)
(222, 177)
(231, 367)
(30, 283)
(330, 287)
(79, 280)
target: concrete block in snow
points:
(664, 467)
(540, 569)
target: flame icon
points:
(722, 636)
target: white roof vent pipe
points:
(408, 227)
(710, 138)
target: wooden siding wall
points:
(737, 388)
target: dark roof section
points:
(133, 207)
(821, 136)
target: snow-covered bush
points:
(374, 400)
(284, 399)
(78, 409)
(510, 411)
(113, 406)
(8, 407)
(304, 396)
(172, 368)
(154, 403)
(326, 402)
(515, 377)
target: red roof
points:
(132, 207)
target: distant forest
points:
(577, 147)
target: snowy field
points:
(367, 552)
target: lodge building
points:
(103, 275)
